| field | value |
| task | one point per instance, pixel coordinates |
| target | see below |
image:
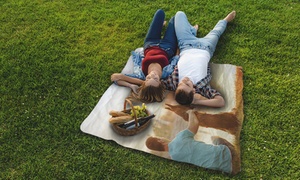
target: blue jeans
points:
(186, 35)
(153, 38)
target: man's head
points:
(157, 144)
(184, 93)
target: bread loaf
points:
(114, 113)
(120, 119)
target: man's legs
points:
(153, 36)
(212, 38)
(184, 30)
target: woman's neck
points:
(155, 67)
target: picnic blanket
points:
(225, 122)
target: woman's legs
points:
(153, 36)
(169, 41)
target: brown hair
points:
(150, 93)
(183, 97)
(156, 144)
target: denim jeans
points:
(153, 37)
(186, 34)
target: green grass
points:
(56, 58)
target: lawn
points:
(56, 58)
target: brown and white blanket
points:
(170, 118)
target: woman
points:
(156, 64)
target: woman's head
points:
(151, 90)
(150, 93)
(152, 79)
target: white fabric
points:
(193, 64)
(166, 123)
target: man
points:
(192, 73)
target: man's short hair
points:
(183, 97)
(156, 144)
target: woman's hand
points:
(116, 76)
(134, 88)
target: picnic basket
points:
(137, 129)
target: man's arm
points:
(193, 124)
(217, 101)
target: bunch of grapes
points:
(140, 111)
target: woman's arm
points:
(134, 87)
(121, 77)
(217, 101)
(123, 80)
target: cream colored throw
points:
(224, 122)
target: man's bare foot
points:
(230, 16)
(196, 27)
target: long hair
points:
(183, 97)
(150, 93)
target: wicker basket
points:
(137, 129)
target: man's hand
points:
(217, 101)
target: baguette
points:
(114, 113)
(120, 119)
